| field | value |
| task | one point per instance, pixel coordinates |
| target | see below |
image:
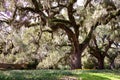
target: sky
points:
(80, 2)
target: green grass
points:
(59, 75)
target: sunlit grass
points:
(59, 75)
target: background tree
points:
(105, 39)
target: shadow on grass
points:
(33, 75)
(47, 75)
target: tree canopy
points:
(60, 23)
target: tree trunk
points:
(111, 60)
(101, 63)
(76, 56)
(76, 60)
(112, 64)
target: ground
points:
(59, 75)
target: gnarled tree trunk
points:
(76, 58)
(112, 64)
(101, 62)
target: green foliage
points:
(90, 62)
(51, 61)
(33, 64)
(117, 62)
(88, 65)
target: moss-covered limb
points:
(14, 14)
(5, 21)
(61, 21)
(72, 1)
(71, 17)
(26, 9)
(68, 31)
(70, 11)
(86, 41)
(87, 2)
(36, 5)
(32, 25)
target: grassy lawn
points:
(60, 75)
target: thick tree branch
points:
(5, 21)
(36, 5)
(93, 51)
(14, 14)
(107, 47)
(63, 45)
(67, 30)
(87, 2)
(27, 9)
(49, 31)
(70, 13)
(62, 21)
(85, 43)
(33, 24)
(71, 17)
(95, 42)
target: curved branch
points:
(27, 9)
(71, 17)
(70, 13)
(68, 31)
(87, 2)
(61, 21)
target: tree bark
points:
(101, 62)
(76, 59)
(79, 48)
(112, 65)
